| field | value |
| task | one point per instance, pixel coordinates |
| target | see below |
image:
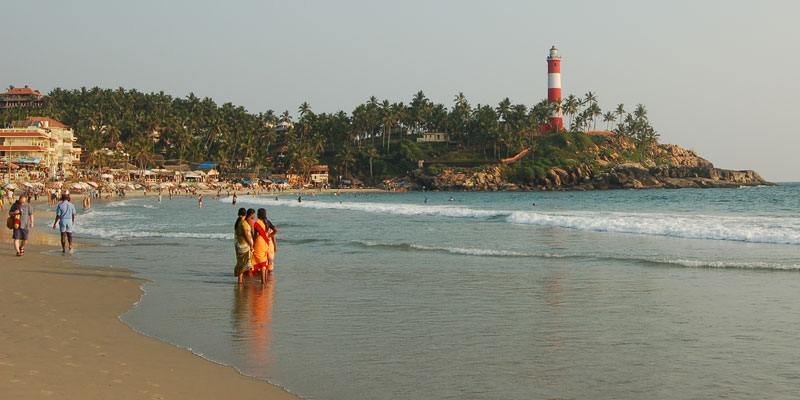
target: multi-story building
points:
(40, 142)
(21, 97)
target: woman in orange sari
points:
(264, 246)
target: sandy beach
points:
(60, 337)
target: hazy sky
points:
(720, 77)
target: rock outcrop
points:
(677, 168)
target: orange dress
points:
(262, 254)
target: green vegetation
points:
(375, 141)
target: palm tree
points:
(346, 158)
(591, 98)
(608, 118)
(594, 112)
(372, 153)
(571, 106)
(285, 117)
(640, 112)
(304, 109)
(620, 111)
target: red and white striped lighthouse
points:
(554, 88)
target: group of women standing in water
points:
(255, 244)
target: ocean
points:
(607, 294)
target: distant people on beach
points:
(299, 199)
(200, 201)
(234, 198)
(87, 202)
(65, 219)
(22, 212)
(243, 233)
(2, 198)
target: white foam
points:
(385, 208)
(746, 229)
(731, 264)
(120, 234)
(737, 228)
(457, 250)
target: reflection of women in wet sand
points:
(252, 316)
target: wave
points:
(456, 250)
(713, 227)
(745, 229)
(385, 208)
(643, 259)
(118, 234)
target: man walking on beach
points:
(65, 218)
(23, 221)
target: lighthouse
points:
(554, 87)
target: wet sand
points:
(60, 336)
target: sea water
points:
(609, 294)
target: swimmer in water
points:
(451, 199)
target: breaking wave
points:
(713, 227)
(507, 253)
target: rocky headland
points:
(666, 167)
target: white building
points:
(40, 142)
(434, 137)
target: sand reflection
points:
(252, 316)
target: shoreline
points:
(63, 337)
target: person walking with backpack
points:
(23, 221)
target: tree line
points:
(192, 129)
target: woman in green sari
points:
(243, 235)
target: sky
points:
(720, 77)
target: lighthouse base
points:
(555, 124)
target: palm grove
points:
(376, 140)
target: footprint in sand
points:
(33, 372)
(101, 354)
(71, 364)
(104, 371)
(47, 392)
(117, 381)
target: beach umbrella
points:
(39, 184)
(130, 187)
(27, 184)
(107, 176)
(92, 184)
(9, 186)
(183, 184)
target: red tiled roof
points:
(23, 134)
(53, 123)
(23, 90)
